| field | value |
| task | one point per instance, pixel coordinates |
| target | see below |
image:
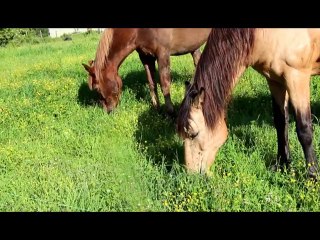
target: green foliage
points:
(7, 35)
(42, 32)
(59, 151)
(18, 36)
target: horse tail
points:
(103, 51)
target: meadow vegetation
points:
(59, 151)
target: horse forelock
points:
(225, 51)
(103, 52)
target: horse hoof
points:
(156, 107)
(172, 115)
(280, 167)
(277, 167)
(313, 176)
(313, 172)
(155, 104)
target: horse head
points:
(108, 84)
(201, 143)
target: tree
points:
(42, 32)
(20, 35)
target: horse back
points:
(176, 41)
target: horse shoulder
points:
(278, 51)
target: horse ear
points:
(90, 62)
(88, 68)
(187, 85)
(198, 100)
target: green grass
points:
(59, 151)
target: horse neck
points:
(234, 83)
(119, 51)
(115, 60)
(219, 90)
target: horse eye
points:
(193, 135)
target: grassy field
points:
(59, 151)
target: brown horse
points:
(152, 44)
(286, 57)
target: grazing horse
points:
(286, 57)
(152, 44)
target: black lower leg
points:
(305, 135)
(281, 123)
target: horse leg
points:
(165, 79)
(150, 68)
(299, 92)
(196, 56)
(280, 99)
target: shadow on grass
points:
(157, 138)
(86, 97)
(156, 133)
(138, 83)
(246, 110)
(315, 111)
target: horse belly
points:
(185, 48)
(186, 40)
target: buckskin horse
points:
(286, 57)
(152, 44)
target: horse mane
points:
(225, 52)
(103, 51)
